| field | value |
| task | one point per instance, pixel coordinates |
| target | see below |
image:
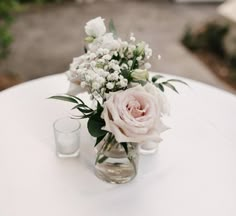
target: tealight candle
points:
(67, 137)
(148, 147)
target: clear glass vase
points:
(116, 162)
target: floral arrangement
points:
(129, 103)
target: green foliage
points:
(95, 122)
(40, 1)
(5, 40)
(167, 83)
(7, 7)
(66, 98)
(210, 37)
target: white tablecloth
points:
(193, 173)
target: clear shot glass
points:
(67, 137)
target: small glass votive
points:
(67, 137)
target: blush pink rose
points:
(134, 115)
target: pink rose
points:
(134, 115)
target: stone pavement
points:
(47, 39)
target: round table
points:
(192, 174)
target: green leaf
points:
(86, 116)
(125, 146)
(135, 63)
(68, 98)
(64, 98)
(99, 139)
(83, 108)
(85, 111)
(95, 124)
(112, 28)
(85, 49)
(99, 107)
(101, 158)
(126, 74)
(160, 86)
(76, 98)
(156, 77)
(176, 80)
(170, 86)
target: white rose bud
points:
(95, 27)
(139, 74)
(140, 48)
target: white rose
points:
(108, 42)
(160, 97)
(133, 115)
(105, 42)
(95, 27)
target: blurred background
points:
(195, 38)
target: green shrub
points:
(5, 40)
(7, 7)
(210, 38)
(40, 1)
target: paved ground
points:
(47, 39)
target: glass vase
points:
(116, 162)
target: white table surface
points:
(193, 173)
